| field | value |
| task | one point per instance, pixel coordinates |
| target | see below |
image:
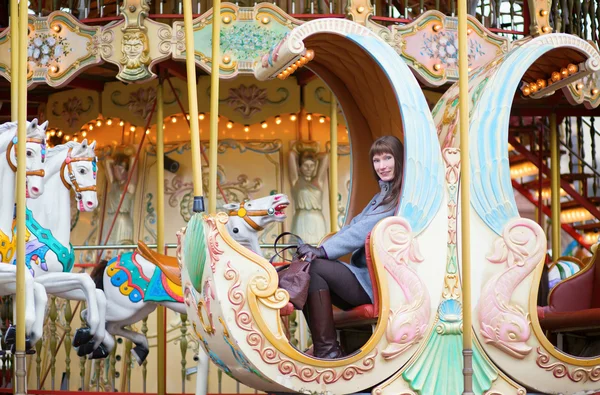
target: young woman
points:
(348, 285)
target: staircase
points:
(529, 157)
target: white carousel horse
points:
(135, 282)
(50, 257)
(35, 297)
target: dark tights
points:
(345, 290)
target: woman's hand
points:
(310, 253)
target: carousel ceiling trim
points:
(60, 47)
(290, 50)
(246, 34)
(429, 45)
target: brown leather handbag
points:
(295, 276)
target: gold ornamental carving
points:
(540, 17)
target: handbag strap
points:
(280, 252)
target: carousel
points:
(143, 194)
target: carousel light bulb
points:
(201, 116)
(309, 117)
(293, 117)
(147, 131)
(109, 121)
(121, 123)
(56, 28)
(132, 128)
(246, 128)
(526, 91)
(47, 135)
(187, 116)
(310, 54)
(53, 133)
(555, 76)
(594, 91)
(579, 86)
(321, 119)
(278, 120)
(564, 72)
(83, 134)
(572, 68)
(59, 133)
(174, 119)
(541, 83)
(229, 125)
(98, 123)
(75, 139)
(263, 124)
(67, 137)
(54, 69)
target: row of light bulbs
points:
(173, 119)
(533, 87)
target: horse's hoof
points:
(85, 349)
(10, 337)
(100, 353)
(140, 354)
(28, 349)
(82, 336)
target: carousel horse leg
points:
(202, 373)
(80, 286)
(141, 349)
(8, 286)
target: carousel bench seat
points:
(574, 303)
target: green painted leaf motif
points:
(194, 250)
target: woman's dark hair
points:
(393, 146)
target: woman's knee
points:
(316, 282)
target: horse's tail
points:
(98, 274)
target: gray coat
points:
(351, 238)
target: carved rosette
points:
(59, 48)
(430, 46)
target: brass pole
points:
(214, 107)
(465, 195)
(555, 188)
(14, 59)
(333, 165)
(20, 361)
(193, 100)
(160, 234)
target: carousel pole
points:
(465, 196)
(193, 100)
(20, 360)
(214, 107)
(333, 165)
(160, 234)
(555, 187)
(14, 59)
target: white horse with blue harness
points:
(50, 256)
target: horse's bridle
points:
(13, 167)
(74, 184)
(245, 215)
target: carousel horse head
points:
(78, 172)
(35, 155)
(248, 218)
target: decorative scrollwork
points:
(271, 356)
(560, 370)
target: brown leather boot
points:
(322, 328)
